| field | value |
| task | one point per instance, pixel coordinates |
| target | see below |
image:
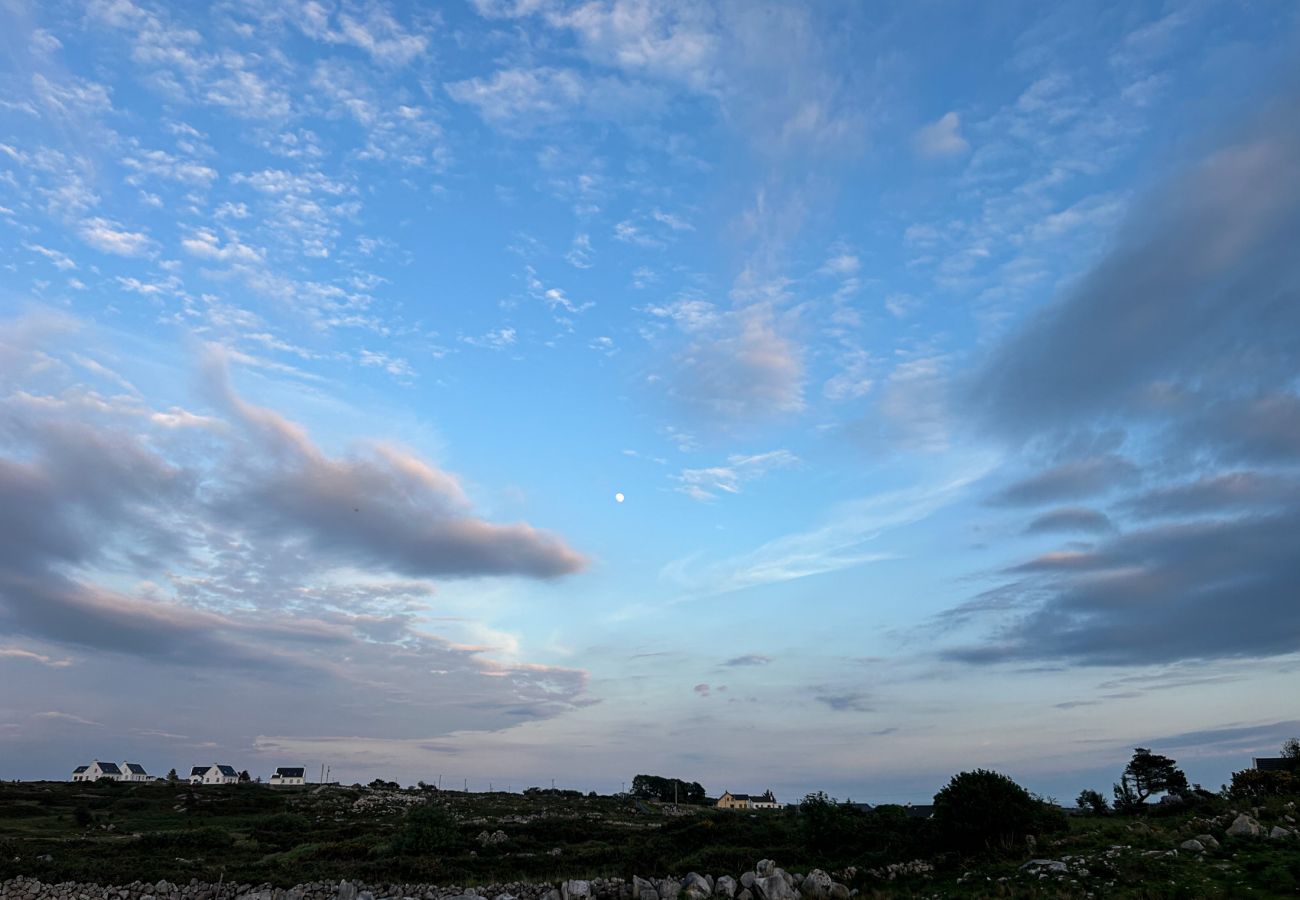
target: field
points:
(118, 833)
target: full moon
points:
(619, 498)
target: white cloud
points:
(942, 138)
(110, 237)
(706, 483)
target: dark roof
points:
(1272, 763)
(289, 773)
(227, 770)
(79, 769)
(737, 796)
(199, 770)
(919, 812)
(136, 768)
(110, 768)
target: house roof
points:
(79, 769)
(737, 796)
(1271, 763)
(135, 768)
(110, 768)
(199, 770)
(228, 771)
(923, 811)
(289, 772)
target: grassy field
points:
(117, 833)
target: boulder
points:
(725, 887)
(1193, 845)
(1279, 833)
(669, 888)
(696, 887)
(641, 888)
(764, 868)
(747, 880)
(773, 887)
(1245, 826)
(1053, 866)
(1208, 841)
(840, 891)
(575, 889)
(816, 885)
(745, 895)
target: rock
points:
(764, 868)
(747, 880)
(773, 887)
(365, 895)
(725, 887)
(1279, 833)
(347, 891)
(1208, 841)
(695, 887)
(641, 887)
(816, 885)
(745, 895)
(1039, 866)
(669, 888)
(1193, 845)
(575, 889)
(1245, 826)
(840, 891)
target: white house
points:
(133, 772)
(214, 774)
(729, 800)
(285, 775)
(97, 770)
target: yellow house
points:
(729, 800)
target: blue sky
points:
(946, 357)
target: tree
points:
(244, 777)
(172, 777)
(1148, 773)
(667, 790)
(985, 811)
(1092, 801)
(1255, 783)
(1291, 753)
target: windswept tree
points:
(1145, 775)
(1291, 753)
(172, 777)
(1092, 801)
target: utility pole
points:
(322, 773)
(467, 785)
(439, 782)
(327, 774)
(552, 784)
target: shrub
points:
(81, 815)
(1093, 802)
(428, 828)
(1254, 783)
(985, 811)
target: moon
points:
(619, 498)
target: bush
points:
(986, 812)
(1254, 783)
(1093, 802)
(428, 828)
(81, 815)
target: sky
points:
(946, 357)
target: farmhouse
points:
(765, 800)
(133, 772)
(97, 770)
(289, 776)
(1271, 763)
(214, 774)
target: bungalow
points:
(214, 774)
(729, 800)
(289, 776)
(1272, 763)
(97, 770)
(133, 772)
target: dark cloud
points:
(1199, 288)
(851, 701)
(1072, 519)
(1201, 590)
(1071, 480)
(1214, 495)
(749, 659)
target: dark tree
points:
(1092, 801)
(428, 828)
(244, 777)
(1148, 773)
(655, 787)
(172, 777)
(1291, 753)
(984, 811)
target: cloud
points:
(110, 237)
(1070, 481)
(1216, 494)
(1203, 590)
(749, 659)
(852, 701)
(704, 484)
(942, 138)
(1072, 519)
(519, 100)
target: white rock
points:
(764, 868)
(1279, 833)
(1209, 841)
(773, 887)
(725, 887)
(1193, 845)
(816, 885)
(576, 889)
(1244, 826)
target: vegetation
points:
(667, 790)
(977, 840)
(1147, 774)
